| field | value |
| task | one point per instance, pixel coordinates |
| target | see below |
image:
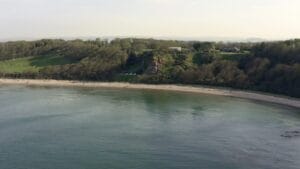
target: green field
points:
(31, 64)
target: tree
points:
(204, 57)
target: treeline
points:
(270, 66)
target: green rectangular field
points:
(31, 64)
(17, 66)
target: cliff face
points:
(159, 64)
(153, 67)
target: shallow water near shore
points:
(75, 128)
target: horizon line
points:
(175, 38)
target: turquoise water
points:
(73, 128)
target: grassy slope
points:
(17, 66)
(31, 64)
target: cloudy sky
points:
(269, 19)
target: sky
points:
(267, 19)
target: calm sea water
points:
(68, 128)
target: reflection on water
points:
(77, 128)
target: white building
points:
(179, 49)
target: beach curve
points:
(258, 96)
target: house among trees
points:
(179, 49)
(231, 49)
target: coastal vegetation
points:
(269, 66)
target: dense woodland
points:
(270, 66)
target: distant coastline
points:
(176, 38)
(293, 102)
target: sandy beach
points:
(179, 88)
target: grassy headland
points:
(271, 66)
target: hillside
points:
(271, 67)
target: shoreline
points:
(266, 97)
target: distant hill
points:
(210, 39)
